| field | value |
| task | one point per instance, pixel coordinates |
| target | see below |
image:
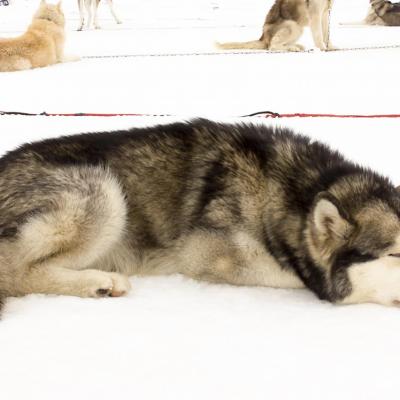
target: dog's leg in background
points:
(316, 11)
(286, 37)
(316, 30)
(111, 5)
(88, 6)
(15, 63)
(95, 10)
(81, 14)
(326, 26)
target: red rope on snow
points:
(260, 114)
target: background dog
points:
(383, 12)
(91, 7)
(41, 45)
(284, 25)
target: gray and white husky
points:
(284, 25)
(383, 12)
(232, 203)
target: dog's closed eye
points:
(394, 255)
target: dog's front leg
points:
(88, 5)
(51, 279)
(96, 18)
(316, 30)
(315, 15)
(81, 15)
(111, 5)
(326, 26)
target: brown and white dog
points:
(284, 24)
(41, 45)
(91, 9)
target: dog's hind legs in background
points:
(81, 14)
(92, 13)
(111, 6)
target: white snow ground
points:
(173, 338)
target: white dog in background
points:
(91, 9)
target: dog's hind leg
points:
(89, 5)
(55, 247)
(229, 258)
(286, 36)
(15, 63)
(81, 15)
(111, 5)
(95, 13)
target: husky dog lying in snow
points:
(41, 45)
(284, 25)
(91, 9)
(383, 12)
(231, 203)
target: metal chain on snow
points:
(234, 53)
(211, 53)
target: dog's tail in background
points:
(356, 23)
(252, 45)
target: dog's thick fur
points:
(40, 46)
(91, 7)
(383, 12)
(239, 204)
(285, 23)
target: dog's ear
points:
(59, 5)
(42, 3)
(329, 220)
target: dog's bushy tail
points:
(252, 45)
(355, 23)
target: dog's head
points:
(51, 12)
(354, 236)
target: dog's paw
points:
(121, 285)
(104, 284)
(332, 48)
(295, 47)
(69, 58)
(299, 47)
